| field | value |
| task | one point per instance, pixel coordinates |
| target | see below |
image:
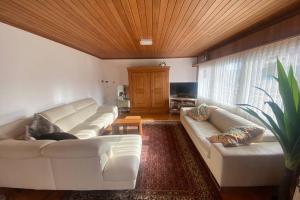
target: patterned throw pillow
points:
(238, 136)
(40, 125)
(200, 113)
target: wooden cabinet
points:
(149, 89)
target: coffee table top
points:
(129, 120)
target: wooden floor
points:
(260, 193)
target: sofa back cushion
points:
(70, 115)
(224, 120)
(83, 103)
(57, 113)
(70, 121)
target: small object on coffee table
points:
(125, 122)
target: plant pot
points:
(287, 185)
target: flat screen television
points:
(184, 90)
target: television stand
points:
(176, 103)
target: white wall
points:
(115, 71)
(36, 73)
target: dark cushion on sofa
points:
(56, 136)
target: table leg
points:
(140, 129)
(124, 129)
(115, 130)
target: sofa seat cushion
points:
(202, 130)
(269, 137)
(125, 160)
(256, 149)
(86, 131)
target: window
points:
(232, 79)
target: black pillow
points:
(56, 136)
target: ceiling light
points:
(146, 42)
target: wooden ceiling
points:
(113, 28)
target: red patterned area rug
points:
(170, 168)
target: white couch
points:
(258, 164)
(82, 118)
(96, 163)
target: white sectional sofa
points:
(258, 164)
(90, 163)
(82, 118)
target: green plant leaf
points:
(266, 93)
(294, 87)
(286, 127)
(290, 114)
(267, 125)
(278, 114)
(285, 89)
(296, 147)
(276, 129)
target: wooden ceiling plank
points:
(194, 7)
(130, 26)
(101, 18)
(168, 17)
(142, 15)
(131, 20)
(174, 17)
(229, 32)
(138, 23)
(64, 13)
(113, 28)
(136, 16)
(162, 12)
(178, 21)
(149, 20)
(149, 17)
(114, 25)
(27, 22)
(115, 15)
(97, 28)
(214, 8)
(155, 15)
(196, 15)
(222, 25)
(248, 12)
(55, 26)
(207, 24)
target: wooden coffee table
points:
(125, 122)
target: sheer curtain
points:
(232, 79)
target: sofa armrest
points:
(108, 109)
(94, 147)
(20, 149)
(184, 110)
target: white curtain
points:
(232, 79)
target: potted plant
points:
(285, 126)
